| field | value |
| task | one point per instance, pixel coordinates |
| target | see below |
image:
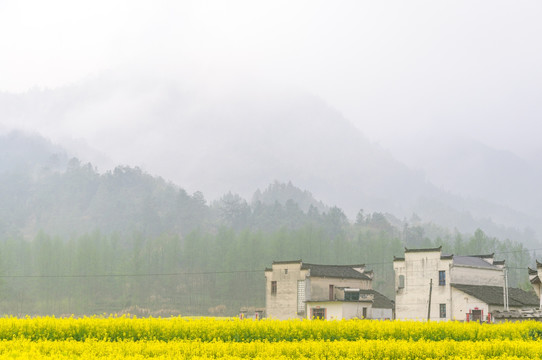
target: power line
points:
(131, 275)
(210, 272)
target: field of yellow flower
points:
(179, 338)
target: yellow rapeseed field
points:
(179, 338)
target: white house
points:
(435, 286)
(534, 277)
(300, 290)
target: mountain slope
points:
(217, 141)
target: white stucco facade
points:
(294, 289)
(426, 276)
(415, 276)
(282, 303)
(337, 310)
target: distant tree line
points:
(80, 242)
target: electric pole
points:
(429, 307)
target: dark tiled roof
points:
(380, 301)
(484, 256)
(424, 250)
(398, 258)
(335, 271)
(493, 295)
(446, 257)
(538, 264)
(476, 261)
(535, 280)
(498, 262)
(532, 272)
(287, 262)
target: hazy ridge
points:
(241, 141)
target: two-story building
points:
(430, 285)
(295, 289)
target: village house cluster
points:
(429, 285)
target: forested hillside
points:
(241, 140)
(73, 240)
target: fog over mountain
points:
(238, 141)
(468, 167)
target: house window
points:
(318, 313)
(301, 296)
(331, 292)
(273, 288)
(365, 313)
(442, 311)
(285, 271)
(351, 295)
(442, 277)
(401, 281)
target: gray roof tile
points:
(473, 261)
(379, 301)
(335, 271)
(493, 295)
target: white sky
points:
(399, 70)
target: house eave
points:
(287, 262)
(478, 267)
(438, 249)
(338, 301)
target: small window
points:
(442, 277)
(331, 292)
(285, 271)
(273, 288)
(318, 313)
(300, 297)
(401, 281)
(442, 311)
(351, 295)
(364, 313)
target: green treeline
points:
(201, 274)
(79, 242)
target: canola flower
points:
(180, 338)
(306, 349)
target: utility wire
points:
(207, 272)
(130, 275)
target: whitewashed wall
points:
(411, 302)
(337, 310)
(463, 303)
(469, 275)
(283, 305)
(319, 287)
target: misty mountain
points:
(216, 144)
(282, 193)
(73, 199)
(220, 141)
(28, 153)
(469, 168)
